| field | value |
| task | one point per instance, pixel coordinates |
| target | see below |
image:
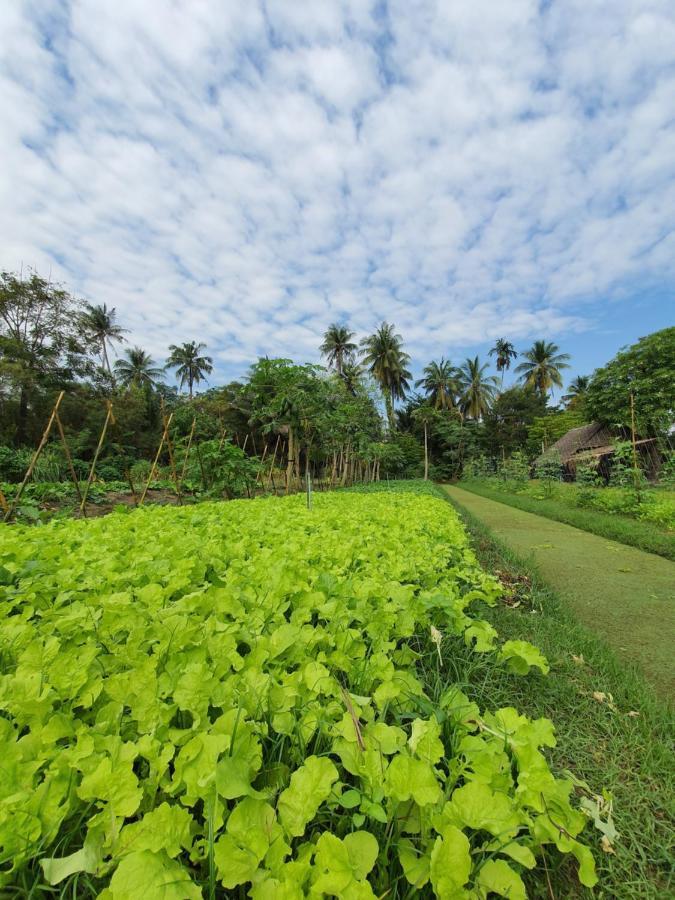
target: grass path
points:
(624, 594)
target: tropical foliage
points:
(543, 366)
(386, 360)
(190, 364)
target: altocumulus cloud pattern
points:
(246, 172)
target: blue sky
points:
(246, 173)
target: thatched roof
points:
(578, 440)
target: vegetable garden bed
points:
(255, 696)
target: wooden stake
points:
(274, 458)
(3, 502)
(167, 423)
(66, 449)
(109, 417)
(243, 449)
(29, 471)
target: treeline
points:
(360, 416)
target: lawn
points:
(561, 506)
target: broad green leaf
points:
(85, 860)
(521, 656)
(409, 778)
(497, 877)
(165, 828)
(450, 863)
(310, 786)
(152, 876)
(415, 865)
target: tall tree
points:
(137, 369)
(386, 360)
(41, 342)
(577, 390)
(190, 365)
(645, 371)
(476, 389)
(351, 376)
(100, 323)
(440, 384)
(338, 346)
(505, 352)
(543, 366)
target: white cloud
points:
(245, 173)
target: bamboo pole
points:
(243, 449)
(636, 472)
(167, 423)
(69, 458)
(187, 450)
(274, 459)
(35, 457)
(172, 463)
(262, 462)
(127, 474)
(109, 417)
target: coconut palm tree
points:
(440, 384)
(100, 323)
(542, 369)
(476, 389)
(352, 372)
(505, 352)
(385, 359)
(338, 346)
(191, 367)
(137, 369)
(577, 390)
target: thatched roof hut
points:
(597, 442)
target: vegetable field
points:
(256, 699)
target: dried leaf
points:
(606, 844)
(579, 660)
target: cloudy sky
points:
(245, 173)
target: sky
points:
(245, 173)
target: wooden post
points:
(201, 467)
(167, 423)
(3, 502)
(109, 417)
(243, 449)
(36, 456)
(73, 474)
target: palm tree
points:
(424, 415)
(99, 322)
(543, 366)
(137, 369)
(191, 367)
(351, 376)
(577, 390)
(439, 383)
(337, 346)
(476, 389)
(505, 352)
(386, 360)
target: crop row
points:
(237, 696)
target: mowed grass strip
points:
(622, 744)
(624, 529)
(621, 593)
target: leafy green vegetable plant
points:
(234, 696)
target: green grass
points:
(623, 594)
(631, 756)
(616, 527)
